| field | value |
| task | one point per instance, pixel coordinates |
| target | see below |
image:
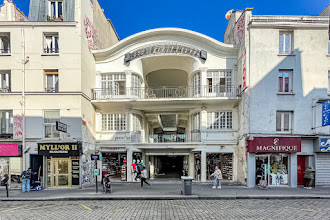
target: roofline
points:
(161, 32)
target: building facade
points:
(284, 64)
(46, 64)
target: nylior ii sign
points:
(326, 113)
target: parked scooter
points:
(107, 184)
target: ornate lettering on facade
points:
(277, 148)
(169, 48)
(240, 29)
(18, 127)
(91, 34)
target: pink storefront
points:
(11, 163)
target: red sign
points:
(9, 150)
(244, 69)
(275, 145)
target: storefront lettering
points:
(325, 149)
(65, 149)
(277, 148)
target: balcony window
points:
(51, 43)
(6, 124)
(219, 120)
(113, 122)
(196, 83)
(285, 43)
(4, 43)
(50, 118)
(55, 9)
(113, 84)
(136, 85)
(196, 122)
(51, 80)
(5, 82)
(219, 81)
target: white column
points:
(128, 82)
(203, 119)
(293, 170)
(203, 165)
(191, 164)
(152, 167)
(7, 122)
(203, 71)
(251, 171)
(129, 163)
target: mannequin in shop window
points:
(198, 170)
(134, 171)
(185, 168)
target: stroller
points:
(107, 184)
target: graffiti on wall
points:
(91, 34)
(18, 126)
(240, 29)
(88, 167)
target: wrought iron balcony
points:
(51, 50)
(51, 89)
(5, 90)
(5, 51)
(166, 92)
(6, 136)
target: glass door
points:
(262, 168)
(60, 172)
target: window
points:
(285, 81)
(51, 43)
(50, 118)
(196, 83)
(195, 122)
(218, 81)
(136, 84)
(4, 43)
(6, 123)
(51, 80)
(284, 121)
(55, 8)
(113, 122)
(114, 84)
(219, 120)
(137, 122)
(5, 82)
(285, 44)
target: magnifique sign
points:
(275, 145)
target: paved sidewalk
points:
(168, 191)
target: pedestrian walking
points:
(26, 180)
(218, 176)
(144, 177)
(308, 177)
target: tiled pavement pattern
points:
(173, 209)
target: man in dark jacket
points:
(308, 177)
(26, 180)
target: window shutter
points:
(37, 10)
(69, 10)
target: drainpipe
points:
(23, 100)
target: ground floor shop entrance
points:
(60, 172)
(169, 166)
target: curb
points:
(192, 197)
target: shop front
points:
(273, 159)
(62, 166)
(10, 164)
(114, 164)
(322, 162)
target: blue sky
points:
(204, 16)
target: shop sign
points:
(325, 145)
(275, 145)
(95, 157)
(61, 127)
(9, 150)
(326, 113)
(59, 149)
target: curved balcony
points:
(167, 92)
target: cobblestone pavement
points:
(170, 209)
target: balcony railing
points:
(51, 89)
(51, 50)
(6, 136)
(175, 138)
(167, 92)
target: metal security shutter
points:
(322, 174)
(69, 9)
